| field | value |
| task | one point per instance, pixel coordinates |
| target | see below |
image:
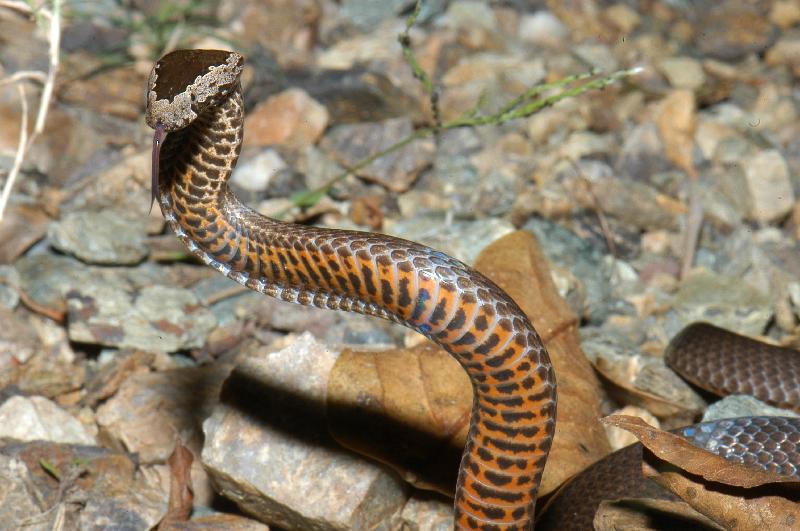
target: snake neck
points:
(196, 163)
(513, 417)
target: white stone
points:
(769, 186)
(683, 72)
(255, 174)
(544, 29)
(37, 418)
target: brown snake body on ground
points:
(194, 101)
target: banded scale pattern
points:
(513, 416)
(724, 363)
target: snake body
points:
(720, 362)
(725, 363)
(771, 443)
(195, 98)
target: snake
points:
(194, 101)
(719, 362)
(195, 104)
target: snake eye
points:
(193, 97)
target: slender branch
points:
(49, 79)
(24, 75)
(22, 149)
(49, 84)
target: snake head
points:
(184, 83)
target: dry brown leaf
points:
(647, 514)
(681, 453)
(366, 210)
(734, 495)
(771, 507)
(409, 408)
(181, 494)
(516, 263)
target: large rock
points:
(267, 448)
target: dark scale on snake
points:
(194, 102)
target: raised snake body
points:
(195, 97)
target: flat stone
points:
(104, 237)
(37, 418)
(257, 172)
(427, 514)
(731, 29)
(683, 72)
(216, 522)
(543, 29)
(267, 450)
(785, 52)
(365, 14)
(461, 239)
(21, 227)
(18, 343)
(722, 300)
(53, 370)
(122, 184)
(642, 153)
(291, 118)
(288, 30)
(676, 122)
(743, 406)
(623, 17)
(9, 287)
(380, 44)
(592, 299)
(639, 373)
(46, 278)
(150, 410)
(770, 186)
(17, 503)
(599, 56)
(98, 489)
(157, 318)
(349, 144)
(785, 13)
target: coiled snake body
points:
(195, 96)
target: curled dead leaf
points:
(181, 494)
(686, 456)
(409, 408)
(734, 495)
(517, 264)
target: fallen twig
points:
(49, 80)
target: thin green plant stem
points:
(505, 114)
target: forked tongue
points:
(158, 139)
